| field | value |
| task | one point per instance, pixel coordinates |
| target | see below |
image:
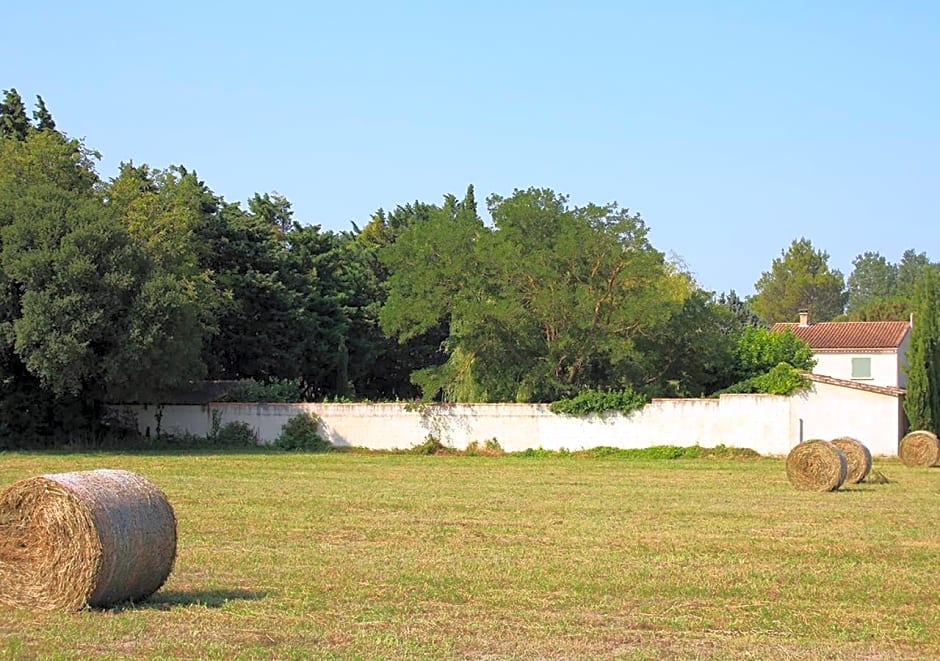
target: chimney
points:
(804, 317)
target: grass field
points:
(385, 557)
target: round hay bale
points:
(858, 456)
(919, 448)
(93, 538)
(816, 465)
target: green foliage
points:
(654, 453)
(872, 279)
(430, 446)
(922, 403)
(910, 271)
(739, 309)
(302, 432)
(689, 353)
(591, 401)
(42, 116)
(893, 308)
(47, 158)
(799, 279)
(276, 390)
(759, 350)
(14, 123)
(235, 434)
(882, 291)
(550, 299)
(76, 274)
(783, 379)
(535, 453)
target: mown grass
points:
(403, 556)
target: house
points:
(863, 352)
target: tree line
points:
(131, 288)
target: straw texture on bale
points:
(858, 456)
(919, 448)
(816, 465)
(93, 538)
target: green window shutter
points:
(861, 368)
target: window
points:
(861, 368)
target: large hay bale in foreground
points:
(919, 448)
(816, 465)
(94, 538)
(858, 456)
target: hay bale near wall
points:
(92, 538)
(919, 448)
(858, 456)
(816, 465)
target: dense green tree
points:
(244, 251)
(86, 313)
(42, 116)
(387, 362)
(880, 290)
(691, 352)
(549, 300)
(93, 320)
(376, 366)
(48, 157)
(739, 309)
(279, 318)
(14, 123)
(892, 308)
(29, 412)
(873, 278)
(799, 279)
(910, 270)
(759, 350)
(275, 210)
(922, 403)
(163, 212)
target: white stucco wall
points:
(768, 424)
(885, 369)
(830, 411)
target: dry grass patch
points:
(431, 557)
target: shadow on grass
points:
(167, 599)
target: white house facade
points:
(865, 352)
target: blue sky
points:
(732, 127)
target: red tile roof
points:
(849, 334)
(831, 380)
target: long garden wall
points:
(768, 424)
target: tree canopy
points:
(132, 288)
(800, 279)
(549, 300)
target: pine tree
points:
(922, 403)
(13, 120)
(800, 279)
(42, 115)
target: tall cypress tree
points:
(922, 404)
(13, 120)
